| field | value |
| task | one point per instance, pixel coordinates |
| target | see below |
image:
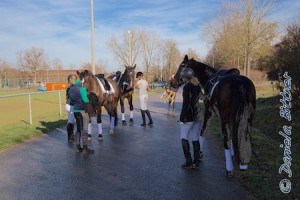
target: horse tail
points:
(240, 128)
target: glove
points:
(68, 107)
(89, 109)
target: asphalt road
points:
(135, 163)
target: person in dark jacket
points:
(69, 108)
(189, 118)
(83, 111)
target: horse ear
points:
(77, 72)
(134, 66)
(125, 66)
(186, 58)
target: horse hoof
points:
(229, 174)
(131, 121)
(111, 132)
(124, 122)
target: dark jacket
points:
(191, 95)
(68, 96)
(78, 96)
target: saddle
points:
(104, 82)
(216, 78)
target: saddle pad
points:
(111, 91)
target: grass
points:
(14, 120)
(262, 178)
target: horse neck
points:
(203, 72)
(95, 87)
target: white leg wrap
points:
(245, 167)
(229, 164)
(231, 149)
(90, 128)
(123, 116)
(131, 114)
(100, 129)
(201, 140)
(112, 123)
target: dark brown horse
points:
(125, 82)
(233, 99)
(105, 98)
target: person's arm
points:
(86, 102)
(136, 84)
(148, 87)
(185, 105)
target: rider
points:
(83, 111)
(189, 118)
(170, 88)
(143, 86)
(69, 108)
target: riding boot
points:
(186, 150)
(78, 148)
(144, 118)
(196, 147)
(70, 129)
(149, 116)
(86, 150)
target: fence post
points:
(30, 112)
(59, 99)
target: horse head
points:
(86, 77)
(129, 74)
(177, 80)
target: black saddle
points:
(218, 76)
(103, 81)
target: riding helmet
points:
(139, 74)
(187, 73)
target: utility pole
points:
(130, 48)
(92, 32)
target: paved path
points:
(135, 163)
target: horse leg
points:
(207, 118)
(131, 109)
(122, 110)
(228, 151)
(89, 130)
(99, 123)
(112, 118)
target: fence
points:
(30, 100)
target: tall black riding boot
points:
(186, 150)
(196, 147)
(70, 130)
(144, 118)
(149, 116)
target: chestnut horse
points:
(107, 99)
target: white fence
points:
(29, 100)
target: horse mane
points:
(202, 71)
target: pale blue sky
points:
(62, 27)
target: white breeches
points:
(143, 101)
(190, 130)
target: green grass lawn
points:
(14, 120)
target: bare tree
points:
(150, 48)
(172, 57)
(129, 44)
(32, 61)
(193, 54)
(241, 32)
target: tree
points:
(128, 49)
(150, 48)
(193, 54)
(241, 32)
(172, 57)
(32, 61)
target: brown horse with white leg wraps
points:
(107, 98)
(232, 98)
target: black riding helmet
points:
(187, 73)
(139, 74)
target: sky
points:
(63, 27)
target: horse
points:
(104, 98)
(233, 100)
(125, 82)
